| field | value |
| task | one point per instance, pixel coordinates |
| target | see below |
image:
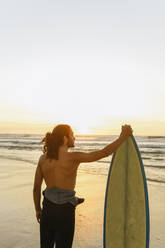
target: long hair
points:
(53, 140)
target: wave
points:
(155, 180)
(152, 152)
(155, 137)
(106, 162)
(155, 167)
(18, 159)
(19, 142)
(153, 158)
(29, 148)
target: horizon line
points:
(84, 135)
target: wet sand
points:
(19, 228)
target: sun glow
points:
(82, 130)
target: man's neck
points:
(63, 148)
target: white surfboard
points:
(126, 212)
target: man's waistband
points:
(60, 196)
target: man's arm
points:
(83, 157)
(37, 189)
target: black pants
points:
(57, 225)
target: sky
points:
(95, 65)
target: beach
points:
(19, 228)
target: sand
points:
(18, 225)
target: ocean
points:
(27, 148)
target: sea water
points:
(27, 148)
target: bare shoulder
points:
(80, 156)
(42, 158)
(73, 155)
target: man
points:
(58, 167)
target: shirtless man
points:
(58, 168)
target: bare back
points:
(60, 173)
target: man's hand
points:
(38, 215)
(126, 131)
(37, 189)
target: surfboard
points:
(126, 209)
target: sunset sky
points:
(92, 64)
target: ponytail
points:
(46, 141)
(53, 140)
